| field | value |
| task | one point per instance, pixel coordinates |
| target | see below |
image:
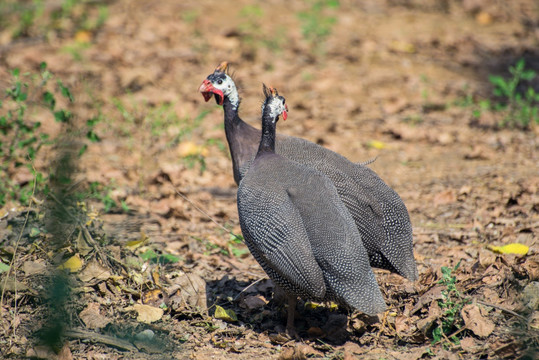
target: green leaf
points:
(124, 206)
(168, 259)
(62, 116)
(333, 3)
(49, 99)
(238, 252)
(501, 84)
(484, 104)
(22, 96)
(43, 66)
(91, 122)
(34, 232)
(528, 75)
(83, 149)
(149, 255)
(3, 267)
(65, 91)
(520, 65)
(92, 136)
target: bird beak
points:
(207, 90)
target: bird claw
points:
(292, 333)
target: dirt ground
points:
(398, 81)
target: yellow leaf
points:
(514, 248)
(142, 240)
(226, 315)
(402, 46)
(376, 144)
(73, 264)
(189, 148)
(83, 36)
(311, 305)
(483, 18)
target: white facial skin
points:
(228, 87)
(276, 107)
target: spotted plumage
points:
(379, 213)
(298, 229)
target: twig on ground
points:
(14, 258)
(252, 284)
(100, 338)
(86, 234)
(502, 309)
(382, 327)
(203, 212)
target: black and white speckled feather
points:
(379, 213)
(300, 232)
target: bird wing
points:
(276, 236)
(337, 244)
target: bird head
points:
(219, 84)
(274, 103)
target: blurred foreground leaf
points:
(514, 248)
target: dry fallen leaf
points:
(73, 264)
(65, 353)
(154, 297)
(226, 315)
(188, 293)
(445, 197)
(533, 322)
(148, 314)
(33, 267)
(475, 322)
(254, 302)
(92, 317)
(94, 270)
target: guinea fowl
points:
(379, 213)
(298, 229)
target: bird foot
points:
(292, 333)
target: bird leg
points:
(290, 329)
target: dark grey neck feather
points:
(267, 141)
(231, 112)
(242, 138)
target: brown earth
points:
(389, 82)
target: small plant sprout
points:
(522, 109)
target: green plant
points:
(451, 304)
(161, 122)
(237, 247)
(155, 258)
(316, 25)
(32, 18)
(29, 97)
(252, 33)
(102, 193)
(522, 109)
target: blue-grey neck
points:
(267, 141)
